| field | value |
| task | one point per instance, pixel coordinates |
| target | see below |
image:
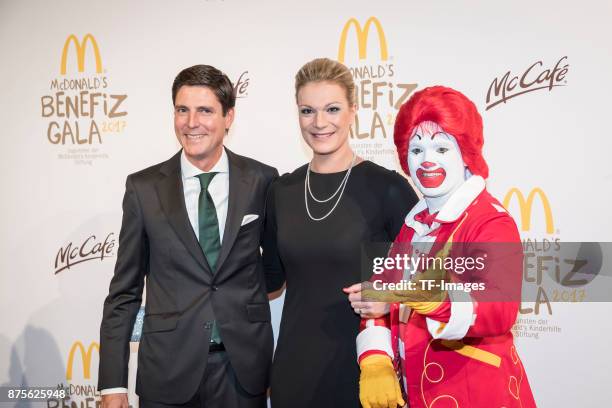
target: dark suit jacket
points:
(158, 244)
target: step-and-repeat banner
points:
(86, 100)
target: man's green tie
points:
(208, 229)
(208, 225)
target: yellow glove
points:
(378, 384)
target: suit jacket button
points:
(214, 288)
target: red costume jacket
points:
(461, 354)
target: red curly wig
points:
(454, 112)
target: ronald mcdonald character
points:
(451, 347)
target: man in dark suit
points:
(192, 228)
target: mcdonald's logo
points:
(85, 358)
(362, 38)
(525, 206)
(80, 52)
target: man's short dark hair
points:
(210, 77)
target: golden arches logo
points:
(80, 47)
(362, 38)
(85, 358)
(525, 206)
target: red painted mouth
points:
(431, 178)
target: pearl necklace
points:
(341, 187)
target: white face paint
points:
(435, 162)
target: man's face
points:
(434, 160)
(199, 123)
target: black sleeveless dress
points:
(315, 362)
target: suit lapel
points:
(171, 197)
(240, 186)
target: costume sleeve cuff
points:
(118, 390)
(461, 318)
(372, 353)
(374, 338)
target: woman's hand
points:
(367, 310)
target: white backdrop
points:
(58, 197)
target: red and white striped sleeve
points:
(375, 334)
(374, 338)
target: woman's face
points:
(325, 116)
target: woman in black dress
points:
(318, 217)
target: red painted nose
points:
(427, 164)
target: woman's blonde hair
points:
(325, 69)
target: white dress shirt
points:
(219, 192)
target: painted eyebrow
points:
(417, 135)
(439, 133)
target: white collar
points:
(189, 170)
(456, 204)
